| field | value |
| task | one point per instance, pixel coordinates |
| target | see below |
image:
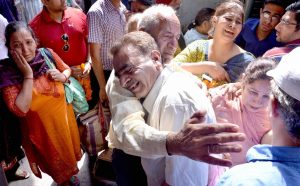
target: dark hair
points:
(282, 3)
(142, 41)
(203, 15)
(257, 70)
(295, 8)
(289, 109)
(15, 26)
(229, 5)
(146, 2)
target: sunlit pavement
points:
(83, 175)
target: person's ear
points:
(45, 2)
(274, 107)
(214, 20)
(155, 56)
(260, 10)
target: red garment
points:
(49, 33)
(166, 2)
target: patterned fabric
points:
(28, 9)
(49, 130)
(198, 51)
(277, 52)
(194, 52)
(10, 74)
(106, 25)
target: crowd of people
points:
(217, 105)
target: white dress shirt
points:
(172, 100)
(128, 130)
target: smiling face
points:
(269, 17)
(137, 72)
(286, 29)
(22, 42)
(228, 25)
(256, 95)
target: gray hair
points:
(289, 109)
(132, 23)
(139, 39)
(152, 18)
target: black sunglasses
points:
(66, 46)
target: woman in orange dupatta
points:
(36, 94)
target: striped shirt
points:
(276, 53)
(28, 9)
(106, 25)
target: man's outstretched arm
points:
(130, 133)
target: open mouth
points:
(231, 33)
(133, 87)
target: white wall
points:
(190, 8)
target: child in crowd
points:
(250, 109)
(200, 27)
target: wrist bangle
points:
(89, 62)
(65, 78)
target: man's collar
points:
(47, 18)
(153, 94)
(110, 6)
(295, 42)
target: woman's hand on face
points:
(21, 63)
(56, 75)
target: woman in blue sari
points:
(219, 57)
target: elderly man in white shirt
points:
(170, 98)
(129, 131)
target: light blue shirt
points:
(193, 35)
(267, 165)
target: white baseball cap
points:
(287, 73)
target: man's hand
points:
(197, 141)
(103, 97)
